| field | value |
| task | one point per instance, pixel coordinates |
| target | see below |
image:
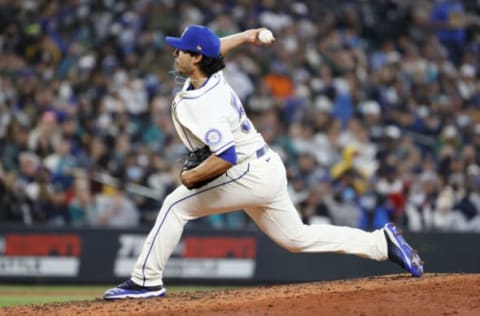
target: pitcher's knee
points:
(293, 245)
(170, 205)
(169, 201)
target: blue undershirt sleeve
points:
(229, 155)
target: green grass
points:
(11, 295)
(52, 288)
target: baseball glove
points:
(193, 159)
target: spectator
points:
(343, 208)
(314, 209)
(421, 201)
(376, 213)
(449, 20)
(155, 134)
(116, 209)
(391, 187)
(81, 207)
(57, 206)
(45, 136)
(14, 207)
(61, 163)
(398, 81)
(278, 82)
(14, 143)
(29, 164)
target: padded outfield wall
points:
(47, 255)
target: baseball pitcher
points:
(230, 167)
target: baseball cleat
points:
(128, 289)
(400, 252)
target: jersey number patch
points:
(242, 117)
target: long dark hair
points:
(209, 65)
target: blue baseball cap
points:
(198, 39)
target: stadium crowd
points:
(373, 105)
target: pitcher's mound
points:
(433, 294)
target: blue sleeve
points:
(229, 155)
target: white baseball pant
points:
(258, 186)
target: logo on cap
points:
(197, 38)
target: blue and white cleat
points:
(400, 252)
(128, 289)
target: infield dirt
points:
(433, 294)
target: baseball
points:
(265, 36)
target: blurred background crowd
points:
(373, 105)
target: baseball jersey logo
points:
(213, 137)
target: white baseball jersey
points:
(257, 184)
(213, 115)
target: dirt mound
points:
(433, 294)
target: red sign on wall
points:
(64, 245)
(220, 247)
